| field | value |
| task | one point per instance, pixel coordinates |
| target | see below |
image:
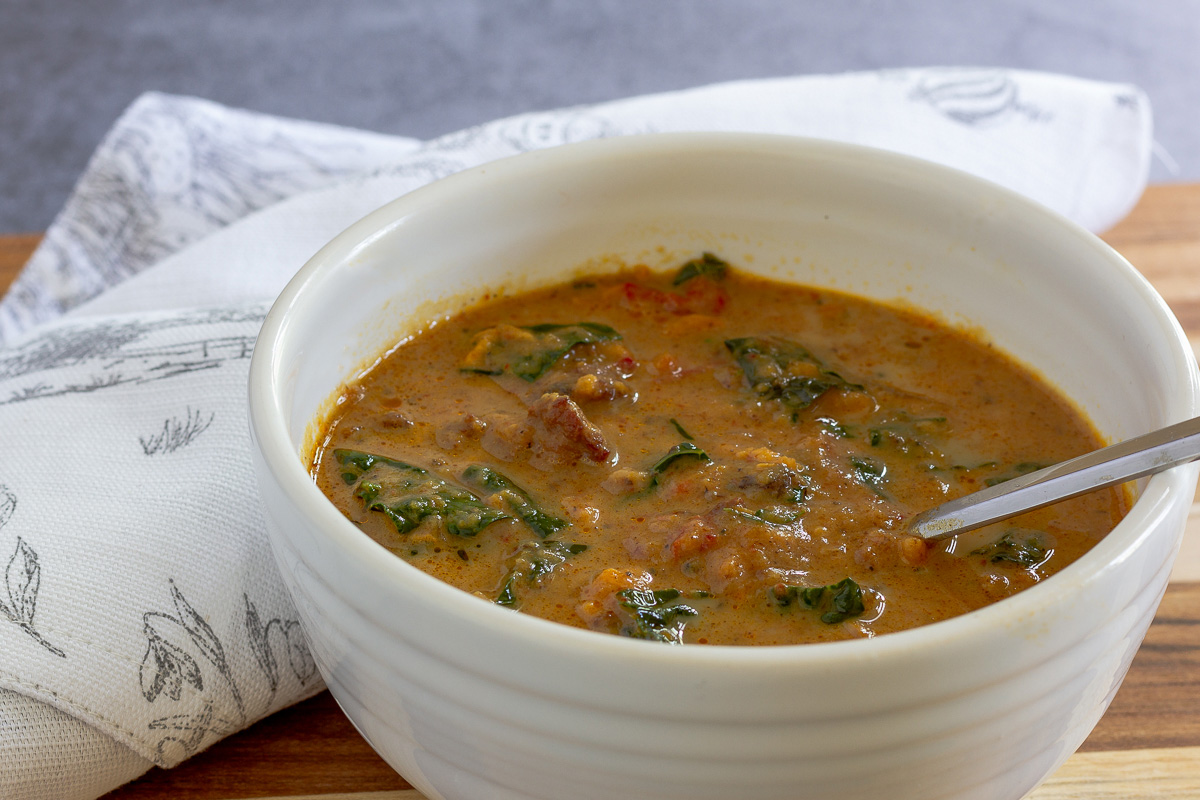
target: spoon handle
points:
(1142, 455)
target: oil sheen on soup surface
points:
(704, 457)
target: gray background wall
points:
(427, 67)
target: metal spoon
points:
(1142, 455)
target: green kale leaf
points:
(871, 473)
(407, 494)
(532, 563)
(772, 367)
(679, 429)
(530, 351)
(706, 266)
(1020, 546)
(681, 450)
(659, 615)
(488, 481)
(836, 602)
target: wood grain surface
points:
(1146, 746)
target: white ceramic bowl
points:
(470, 700)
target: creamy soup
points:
(705, 457)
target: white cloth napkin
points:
(141, 617)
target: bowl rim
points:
(279, 452)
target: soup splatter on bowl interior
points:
(705, 456)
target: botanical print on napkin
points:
(22, 579)
(171, 171)
(139, 592)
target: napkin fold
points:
(141, 616)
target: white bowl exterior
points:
(470, 700)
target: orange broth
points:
(705, 456)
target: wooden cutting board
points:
(1146, 746)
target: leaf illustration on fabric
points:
(259, 644)
(22, 581)
(299, 656)
(206, 642)
(185, 733)
(176, 433)
(23, 578)
(974, 97)
(8, 504)
(165, 666)
(178, 647)
(199, 630)
(171, 171)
